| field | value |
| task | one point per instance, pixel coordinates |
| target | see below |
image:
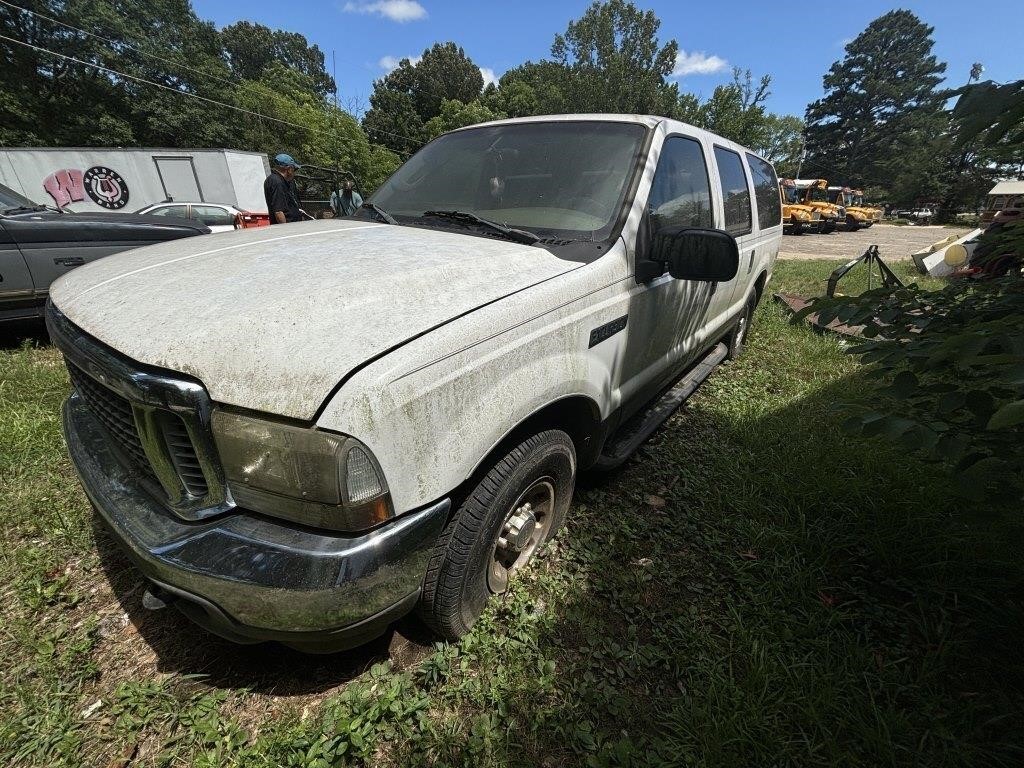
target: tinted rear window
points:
(735, 192)
(766, 192)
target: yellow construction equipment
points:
(797, 218)
(874, 210)
(857, 217)
(814, 194)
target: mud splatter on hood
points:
(273, 319)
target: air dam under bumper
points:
(252, 579)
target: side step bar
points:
(630, 435)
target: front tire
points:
(518, 505)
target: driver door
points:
(667, 317)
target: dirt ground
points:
(893, 242)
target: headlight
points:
(302, 474)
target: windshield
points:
(818, 195)
(11, 199)
(847, 198)
(562, 178)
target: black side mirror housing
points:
(707, 255)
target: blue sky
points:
(768, 36)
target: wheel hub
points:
(525, 527)
(518, 529)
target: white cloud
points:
(396, 10)
(697, 63)
(489, 76)
(389, 63)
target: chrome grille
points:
(157, 421)
(183, 456)
(114, 413)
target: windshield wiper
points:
(519, 235)
(383, 215)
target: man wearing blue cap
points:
(280, 192)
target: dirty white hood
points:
(272, 319)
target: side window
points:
(212, 216)
(769, 209)
(735, 192)
(680, 193)
(180, 211)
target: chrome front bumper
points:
(250, 578)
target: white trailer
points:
(104, 179)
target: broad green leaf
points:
(1010, 415)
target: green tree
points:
(613, 61)
(444, 71)
(880, 112)
(251, 48)
(783, 141)
(316, 132)
(539, 86)
(736, 110)
(409, 96)
(454, 114)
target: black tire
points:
(851, 224)
(457, 585)
(738, 337)
(797, 227)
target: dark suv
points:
(39, 244)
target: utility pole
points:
(334, 75)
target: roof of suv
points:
(650, 121)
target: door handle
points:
(750, 265)
(69, 261)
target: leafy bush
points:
(948, 378)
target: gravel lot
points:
(893, 242)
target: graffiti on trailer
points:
(65, 186)
(104, 187)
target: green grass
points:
(753, 589)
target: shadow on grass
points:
(185, 648)
(762, 590)
(15, 333)
(751, 589)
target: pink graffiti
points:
(65, 186)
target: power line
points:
(115, 43)
(116, 73)
(122, 43)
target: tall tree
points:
(614, 62)
(412, 94)
(736, 110)
(881, 108)
(252, 47)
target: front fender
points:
(430, 424)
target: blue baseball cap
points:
(284, 159)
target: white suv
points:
(302, 432)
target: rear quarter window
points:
(735, 192)
(766, 185)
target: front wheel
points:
(516, 507)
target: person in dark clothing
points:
(280, 192)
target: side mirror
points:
(708, 255)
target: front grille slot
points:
(114, 413)
(183, 456)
